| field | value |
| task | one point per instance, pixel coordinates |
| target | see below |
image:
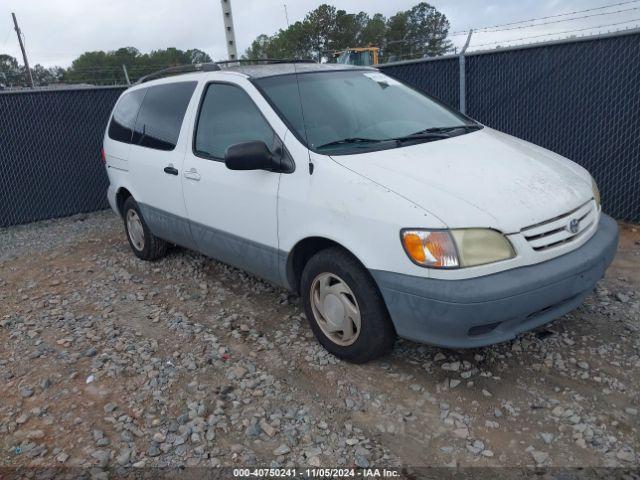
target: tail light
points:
(103, 154)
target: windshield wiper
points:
(421, 136)
(350, 141)
(451, 129)
(436, 133)
(448, 129)
(433, 133)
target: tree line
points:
(417, 32)
(100, 68)
(420, 31)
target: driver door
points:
(233, 214)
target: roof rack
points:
(214, 66)
(266, 61)
(177, 70)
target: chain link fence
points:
(50, 143)
(437, 76)
(579, 98)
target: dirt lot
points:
(106, 360)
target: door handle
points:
(192, 174)
(171, 170)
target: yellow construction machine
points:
(361, 56)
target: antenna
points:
(229, 32)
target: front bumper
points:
(481, 311)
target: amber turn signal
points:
(430, 248)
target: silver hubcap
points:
(335, 309)
(136, 232)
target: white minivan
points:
(388, 212)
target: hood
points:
(480, 179)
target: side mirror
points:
(249, 156)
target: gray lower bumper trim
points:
(494, 308)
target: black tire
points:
(377, 334)
(153, 247)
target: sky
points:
(57, 31)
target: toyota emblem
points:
(574, 226)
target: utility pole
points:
(24, 53)
(286, 14)
(228, 29)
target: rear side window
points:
(124, 116)
(161, 115)
(228, 116)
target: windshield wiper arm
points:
(351, 140)
(436, 133)
(449, 129)
(421, 136)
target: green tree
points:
(13, 74)
(259, 48)
(100, 67)
(106, 67)
(427, 30)
(348, 30)
(10, 72)
(197, 56)
(396, 43)
(295, 42)
(46, 76)
(320, 25)
(374, 32)
(419, 31)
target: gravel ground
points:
(109, 361)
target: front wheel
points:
(144, 244)
(344, 307)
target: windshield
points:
(349, 57)
(351, 111)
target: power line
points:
(558, 33)
(6, 38)
(463, 32)
(560, 21)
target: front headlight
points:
(596, 193)
(456, 248)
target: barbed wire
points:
(116, 71)
(6, 38)
(556, 33)
(558, 21)
(619, 4)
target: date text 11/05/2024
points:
(315, 473)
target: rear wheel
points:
(144, 244)
(344, 307)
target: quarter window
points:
(228, 116)
(161, 115)
(124, 116)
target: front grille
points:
(563, 229)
